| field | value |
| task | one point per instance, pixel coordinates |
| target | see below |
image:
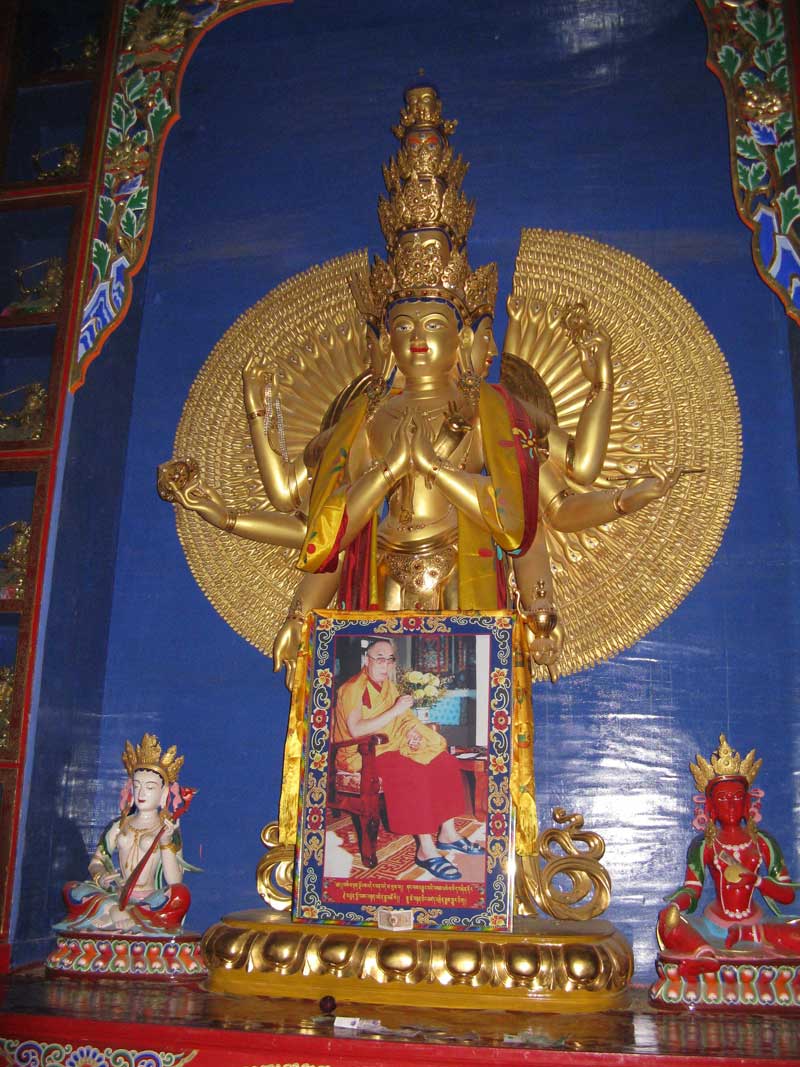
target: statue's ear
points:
(466, 339)
(162, 803)
(387, 362)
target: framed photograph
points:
(405, 816)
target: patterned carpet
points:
(396, 853)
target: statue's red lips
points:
(419, 348)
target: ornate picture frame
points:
(378, 809)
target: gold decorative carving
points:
(14, 559)
(6, 699)
(674, 405)
(26, 423)
(66, 165)
(541, 965)
(572, 853)
(43, 296)
(275, 871)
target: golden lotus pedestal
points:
(542, 965)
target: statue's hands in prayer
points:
(398, 458)
(285, 649)
(423, 454)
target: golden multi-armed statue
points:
(373, 448)
(407, 418)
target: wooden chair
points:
(359, 793)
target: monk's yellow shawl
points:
(360, 694)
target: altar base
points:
(167, 957)
(740, 982)
(543, 965)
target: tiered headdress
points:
(147, 756)
(725, 763)
(425, 221)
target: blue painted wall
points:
(594, 117)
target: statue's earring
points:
(380, 357)
(468, 381)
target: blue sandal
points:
(440, 868)
(461, 844)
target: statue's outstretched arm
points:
(285, 481)
(537, 333)
(582, 456)
(180, 483)
(468, 493)
(570, 512)
(369, 489)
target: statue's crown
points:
(724, 763)
(147, 756)
(425, 220)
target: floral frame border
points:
(308, 905)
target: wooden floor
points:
(44, 1022)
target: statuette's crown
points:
(425, 221)
(725, 763)
(147, 756)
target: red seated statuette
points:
(740, 950)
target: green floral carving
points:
(151, 51)
(747, 49)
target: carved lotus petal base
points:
(119, 956)
(544, 965)
(740, 982)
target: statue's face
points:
(729, 801)
(484, 348)
(148, 790)
(425, 147)
(380, 661)
(424, 336)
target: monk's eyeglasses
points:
(391, 660)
